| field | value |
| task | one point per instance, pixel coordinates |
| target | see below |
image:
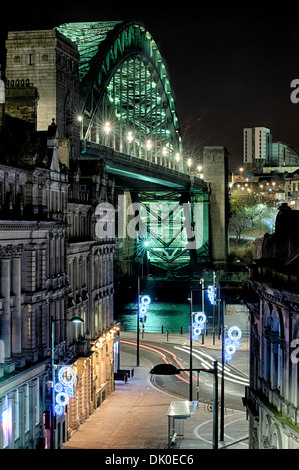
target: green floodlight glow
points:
(124, 80)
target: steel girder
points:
(127, 103)
(174, 229)
(126, 97)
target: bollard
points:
(181, 330)
(162, 329)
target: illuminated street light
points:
(74, 320)
(80, 119)
(177, 159)
(107, 128)
(130, 137)
(148, 144)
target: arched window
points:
(275, 443)
(276, 352)
(295, 364)
(266, 344)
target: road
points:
(178, 385)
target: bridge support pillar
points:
(215, 172)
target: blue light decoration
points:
(66, 376)
(58, 410)
(64, 388)
(62, 399)
(198, 324)
(212, 294)
(144, 303)
(232, 342)
(58, 387)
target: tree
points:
(239, 202)
(238, 223)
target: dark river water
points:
(171, 316)
(169, 308)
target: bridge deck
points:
(135, 173)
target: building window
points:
(26, 408)
(6, 422)
(31, 58)
(17, 415)
(37, 401)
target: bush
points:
(242, 254)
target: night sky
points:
(228, 70)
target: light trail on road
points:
(228, 375)
(205, 359)
(161, 352)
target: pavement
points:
(134, 416)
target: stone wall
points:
(21, 102)
(215, 172)
(49, 61)
(237, 315)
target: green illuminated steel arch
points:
(126, 97)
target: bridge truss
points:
(175, 229)
(127, 106)
(126, 97)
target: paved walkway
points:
(134, 416)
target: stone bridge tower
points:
(48, 61)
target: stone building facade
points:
(273, 394)
(90, 270)
(48, 60)
(53, 268)
(33, 284)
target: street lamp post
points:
(138, 330)
(146, 244)
(222, 375)
(202, 282)
(52, 407)
(169, 369)
(191, 329)
(241, 171)
(214, 304)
